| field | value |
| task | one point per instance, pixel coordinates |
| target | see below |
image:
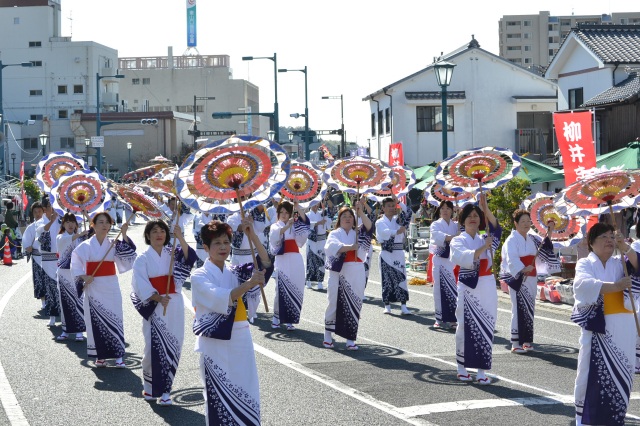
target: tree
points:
(503, 201)
(32, 189)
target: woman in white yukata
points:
(102, 297)
(71, 311)
(524, 257)
(31, 247)
(320, 224)
(346, 276)
(477, 306)
(162, 313)
(608, 337)
(227, 360)
(47, 229)
(286, 236)
(445, 292)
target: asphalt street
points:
(404, 372)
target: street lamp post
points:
(87, 142)
(343, 144)
(276, 120)
(13, 161)
(306, 112)
(43, 142)
(3, 66)
(98, 122)
(196, 133)
(270, 135)
(444, 71)
(290, 136)
(129, 146)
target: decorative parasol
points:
(402, 180)
(159, 159)
(80, 190)
(304, 184)
(599, 193)
(143, 173)
(54, 165)
(435, 193)
(163, 181)
(567, 230)
(358, 174)
(211, 178)
(138, 203)
(478, 168)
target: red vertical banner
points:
(25, 201)
(396, 156)
(575, 140)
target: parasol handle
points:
(113, 243)
(626, 274)
(253, 254)
(175, 214)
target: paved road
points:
(404, 372)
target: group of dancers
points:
(236, 255)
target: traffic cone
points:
(6, 258)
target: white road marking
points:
(540, 317)
(7, 397)
(330, 382)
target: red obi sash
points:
(485, 269)
(290, 246)
(352, 257)
(106, 269)
(529, 260)
(160, 284)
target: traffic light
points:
(219, 115)
(148, 121)
(336, 132)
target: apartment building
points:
(531, 41)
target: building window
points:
(63, 113)
(552, 52)
(429, 118)
(526, 35)
(373, 124)
(575, 98)
(517, 61)
(380, 122)
(146, 81)
(67, 142)
(511, 48)
(36, 92)
(513, 23)
(135, 81)
(78, 89)
(30, 143)
(62, 90)
(36, 63)
(528, 61)
(387, 120)
(526, 23)
(16, 21)
(35, 117)
(513, 36)
(35, 44)
(78, 111)
(528, 48)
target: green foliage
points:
(503, 201)
(32, 189)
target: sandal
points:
(121, 364)
(62, 337)
(274, 326)
(437, 325)
(353, 347)
(527, 347)
(165, 401)
(328, 345)
(484, 381)
(101, 363)
(465, 377)
(291, 327)
(147, 396)
(79, 338)
(517, 350)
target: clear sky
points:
(351, 47)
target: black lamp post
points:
(444, 71)
(129, 146)
(276, 120)
(290, 136)
(270, 135)
(87, 143)
(343, 144)
(13, 161)
(306, 112)
(43, 142)
(98, 121)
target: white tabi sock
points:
(481, 374)
(462, 371)
(327, 336)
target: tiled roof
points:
(612, 43)
(625, 90)
(415, 96)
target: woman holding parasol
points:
(163, 333)
(477, 306)
(523, 256)
(607, 342)
(227, 360)
(345, 250)
(285, 237)
(445, 293)
(93, 264)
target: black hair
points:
(597, 230)
(68, 217)
(160, 224)
(36, 205)
(286, 205)
(387, 200)
(466, 211)
(215, 229)
(343, 210)
(518, 214)
(443, 203)
(105, 214)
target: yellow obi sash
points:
(241, 311)
(614, 303)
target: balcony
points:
(535, 142)
(109, 98)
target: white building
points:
(490, 102)
(61, 82)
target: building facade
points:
(532, 41)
